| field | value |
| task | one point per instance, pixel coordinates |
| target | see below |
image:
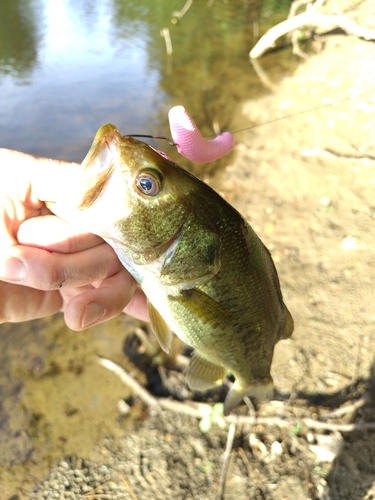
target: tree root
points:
(310, 19)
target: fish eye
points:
(148, 183)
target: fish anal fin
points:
(203, 374)
(289, 325)
(160, 328)
(260, 390)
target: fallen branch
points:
(168, 42)
(246, 461)
(262, 75)
(179, 13)
(128, 487)
(194, 409)
(310, 19)
(343, 410)
(226, 459)
(296, 4)
(93, 493)
(128, 380)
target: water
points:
(66, 68)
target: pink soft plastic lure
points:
(190, 142)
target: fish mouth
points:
(88, 181)
(99, 163)
(94, 189)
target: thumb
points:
(35, 179)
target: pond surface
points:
(66, 68)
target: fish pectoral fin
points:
(261, 390)
(160, 328)
(193, 258)
(203, 374)
(203, 306)
(289, 325)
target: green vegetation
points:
(211, 415)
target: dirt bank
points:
(306, 185)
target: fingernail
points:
(93, 313)
(13, 269)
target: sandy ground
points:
(306, 184)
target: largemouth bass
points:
(207, 275)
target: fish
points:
(207, 276)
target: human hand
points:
(46, 265)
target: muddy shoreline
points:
(306, 185)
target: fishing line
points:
(305, 111)
(285, 117)
(169, 141)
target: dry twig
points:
(98, 495)
(128, 380)
(343, 410)
(168, 42)
(226, 459)
(93, 493)
(128, 487)
(247, 462)
(310, 8)
(179, 13)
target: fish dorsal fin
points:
(203, 306)
(203, 374)
(193, 258)
(160, 328)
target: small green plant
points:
(208, 468)
(296, 429)
(320, 471)
(211, 415)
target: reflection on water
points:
(20, 31)
(66, 68)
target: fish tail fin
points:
(289, 325)
(262, 390)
